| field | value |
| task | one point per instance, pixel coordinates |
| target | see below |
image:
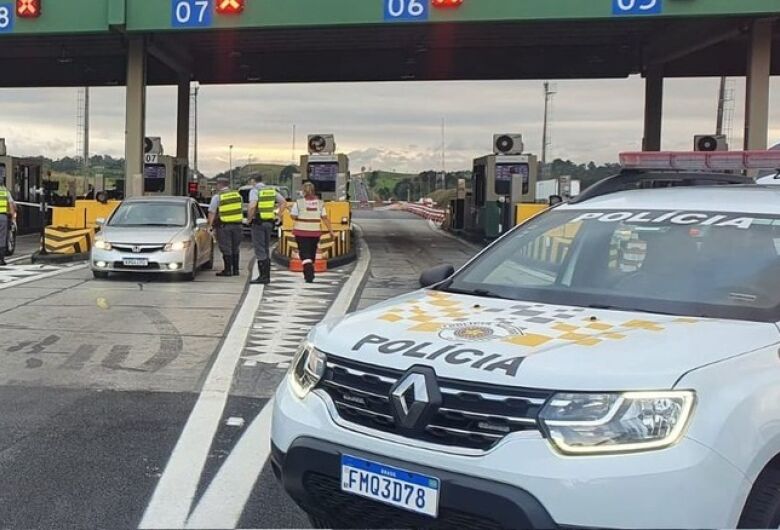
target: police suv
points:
(611, 363)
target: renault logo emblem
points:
(415, 398)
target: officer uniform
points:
(7, 215)
(263, 200)
(226, 212)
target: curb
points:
(37, 257)
(349, 295)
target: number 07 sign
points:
(192, 13)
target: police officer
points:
(7, 217)
(263, 200)
(226, 213)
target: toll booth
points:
(500, 184)
(165, 175)
(27, 180)
(328, 173)
(323, 167)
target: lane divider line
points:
(224, 501)
(172, 499)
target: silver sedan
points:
(154, 234)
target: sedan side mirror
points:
(436, 275)
(100, 221)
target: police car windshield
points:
(152, 213)
(707, 264)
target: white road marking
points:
(35, 278)
(170, 505)
(225, 499)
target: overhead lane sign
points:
(637, 7)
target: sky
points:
(393, 126)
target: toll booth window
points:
(154, 179)
(323, 175)
(504, 175)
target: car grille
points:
(473, 416)
(349, 511)
(142, 249)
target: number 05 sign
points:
(637, 7)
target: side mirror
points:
(555, 199)
(100, 221)
(436, 275)
(200, 222)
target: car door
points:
(202, 237)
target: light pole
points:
(230, 163)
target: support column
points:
(183, 133)
(757, 93)
(654, 107)
(135, 120)
(183, 119)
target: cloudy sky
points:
(392, 126)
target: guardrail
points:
(426, 212)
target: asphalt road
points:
(120, 408)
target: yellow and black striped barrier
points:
(64, 240)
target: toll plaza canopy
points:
(85, 42)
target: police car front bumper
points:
(522, 477)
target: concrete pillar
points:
(135, 120)
(757, 93)
(654, 107)
(183, 119)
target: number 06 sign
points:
(405, 10)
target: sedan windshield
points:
(712, 264)
(150, 214)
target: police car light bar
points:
(700, 160)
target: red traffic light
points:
(446, 3)
(230, 7)
(28, 8)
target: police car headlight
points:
(307, 369)
(616, 422)
(102, 244)
(177, 245)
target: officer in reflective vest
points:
(263, 201)
(227, 215)
(7, 217)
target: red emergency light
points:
(701, 160)
(230, 7)
(28, 8)
(446, 3)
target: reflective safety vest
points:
(266, 204)
(309, 218)
(4, 202)
(230, 207)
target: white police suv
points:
(611, 363)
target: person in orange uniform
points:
(308, 214)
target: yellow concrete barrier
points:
(63, 240)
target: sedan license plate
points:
(135, 262)
(403, 489)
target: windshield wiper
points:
(483, 293)
(631, 309)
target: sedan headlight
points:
(102, 244)
(177, 245)
(616, 422)
(307, 369)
